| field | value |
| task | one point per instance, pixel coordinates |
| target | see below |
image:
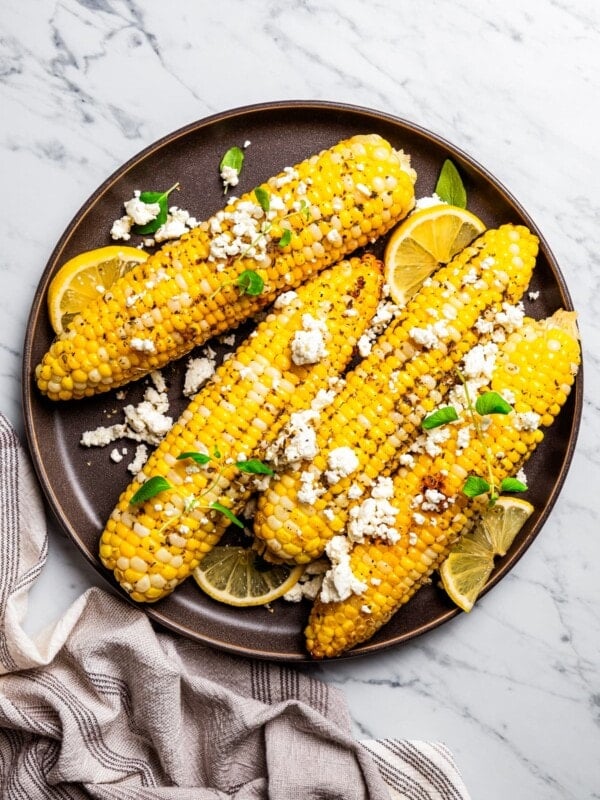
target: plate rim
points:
(281, 106)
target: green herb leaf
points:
(227, 513)
(439, 417)
(474, 486)
(199, 458)
(250, 282)
(513, 485)
(233, 158)
(151, 488)
(492, 403)
(162, 199)
(254, 467)
(305, 210)
(449, 186)
(263, 198)
(286, 238)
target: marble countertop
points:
(514, 688)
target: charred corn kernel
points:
(186, 292)
(430, 506)
(379, 410)
(173, 530)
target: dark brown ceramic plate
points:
(82, 485)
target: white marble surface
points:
(513, 689)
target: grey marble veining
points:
(513, 688)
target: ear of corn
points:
(332, 203)
(379, 410)
(153, 546)
(538, 365)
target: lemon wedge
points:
(238, 576)
(426, 239)
(467, 568)
(86, 276)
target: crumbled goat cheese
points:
(407, 460)
(339, 582)
(375, 516)
(463, 438)
(198, 371)
(433, 439)
(533, 295)
(308, 492)
(246, 144)
(425, 337)
(158, 380)
(470, 277)
(121, 228)
(103, 435)
(355, 491)
(427, 202)
(341, 462)
(385, 312)
(365, 345)
(141, 456)
(511, 316)
(230, 177)
(145, 422)
(480, 360)
(142, 345)
(285, 299)
(432, 500)
(309, 585)
(526, 421)
(520, 476)
(308, 344)
(296, 442)
(116, 455)
(178, 221)
(139, 212)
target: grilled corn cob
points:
(385, 398)
(187, 292)
(536, 367)
(155, 545)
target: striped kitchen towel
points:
(103, 706)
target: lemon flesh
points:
(427, 239)
(237, 576)
(467, 568)
(85, 277)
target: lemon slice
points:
(238, 576)
(426, 239)
(86, 276)
(468, 566)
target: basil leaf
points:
(449, 186)
(199, 458)
(250, 282)
(439, 417)
(492, 403)
(263, 198)
(233, 158)
(227, 513)
(152, 487)
(513, 485)
(305, 210)
(286, 238)
(155, 197)
(474, 486)
(254, 467)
